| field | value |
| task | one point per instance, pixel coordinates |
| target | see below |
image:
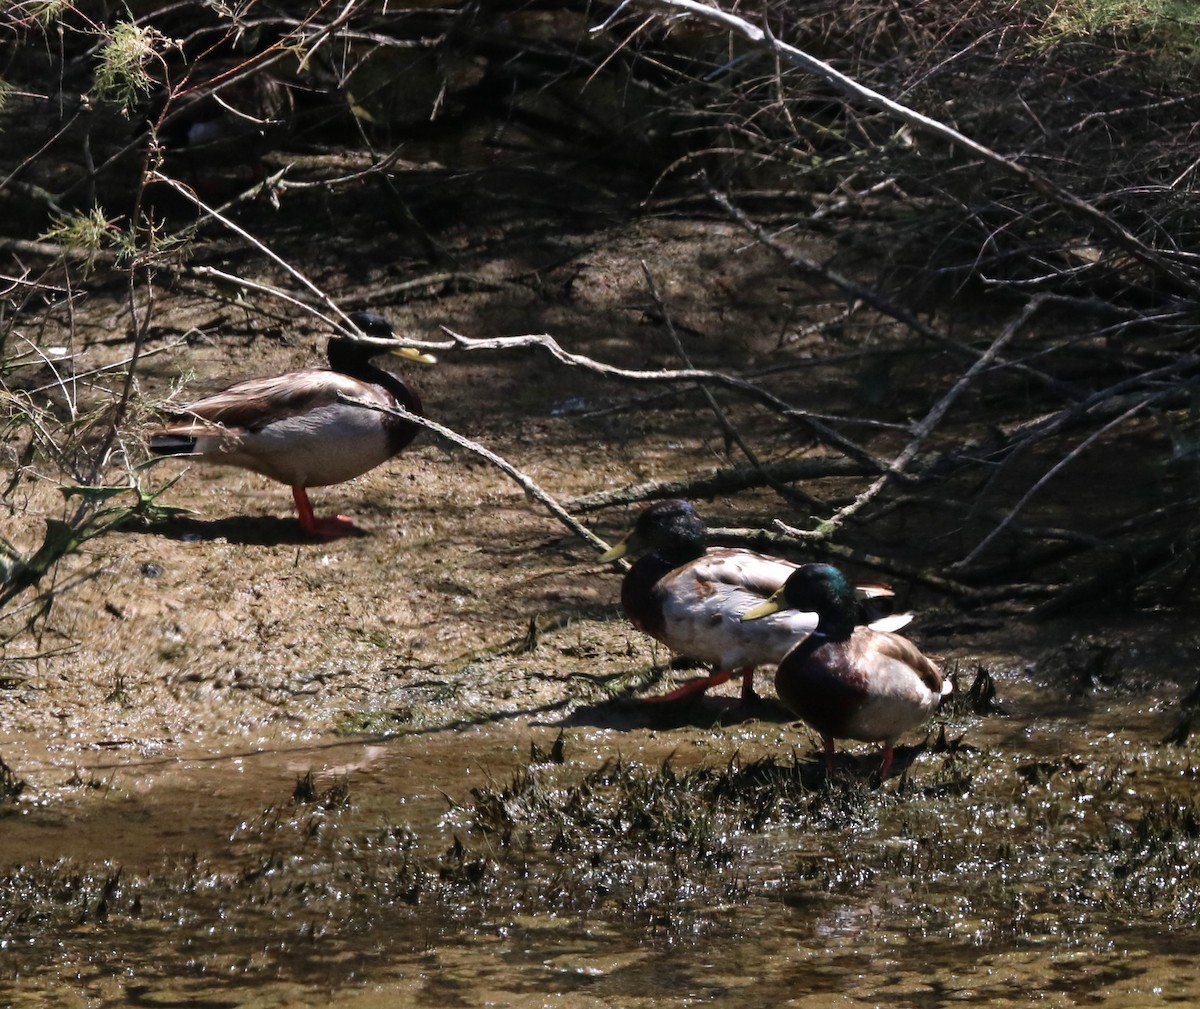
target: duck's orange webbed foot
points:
(696, 686)
(326, 529)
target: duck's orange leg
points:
(696, 686)
(887, 761)
(748, 694)
(701, 684)
(829, 752)
(328, 529)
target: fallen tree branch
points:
(689, 375)
(804, 264)
(722, 481)
(1045, 478)
(526, 482)
(1101, 405)
(1121, 236)
(923, 430)
(1121, 574)
(872, 298)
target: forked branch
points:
(1161, 264)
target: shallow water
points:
(1050, 859)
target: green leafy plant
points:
(121, 74)
(89, 233)
(102, 509)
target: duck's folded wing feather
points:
(253, 404)
(702, 619)
(899, 649)
(755, 573)
(891, 622)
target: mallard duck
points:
(847, 681)
(210, 129)
(691, 598)
(295, 429)
(220, 123)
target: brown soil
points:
(228, 628)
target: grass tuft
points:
(11, 786)
(336, 796)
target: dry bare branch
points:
(1035, 181)
(722, 481)
(669, 376)
(526, 482)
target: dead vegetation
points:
(979, 220)
(658, 257)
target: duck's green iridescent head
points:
(815, 588)
(820, 588)
(671, 529)
(350, 355)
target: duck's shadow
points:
(259, 530)
(703, 712)
(697, 712)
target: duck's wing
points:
(894, 648)
(744, 570)
(702, 604)
(761, 576)
(890, 622)
(876, 601)
(258, 402)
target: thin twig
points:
(1108, 401)
(212, 273)
(869, 296)
(1039, 183)
(526, 482)
(327, 302)
(52, 250)
(731, 432)
(925, 428)
(798, 261)
(750, 389)
(1046, 477)
(722, 481)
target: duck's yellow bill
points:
(762, 610)
(614, 553)
(412, 354)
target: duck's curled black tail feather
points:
(173, 444)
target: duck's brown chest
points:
(819, 681)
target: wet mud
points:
(414, 767)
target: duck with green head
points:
(691, 597)
(297, 428)
(845, 680)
